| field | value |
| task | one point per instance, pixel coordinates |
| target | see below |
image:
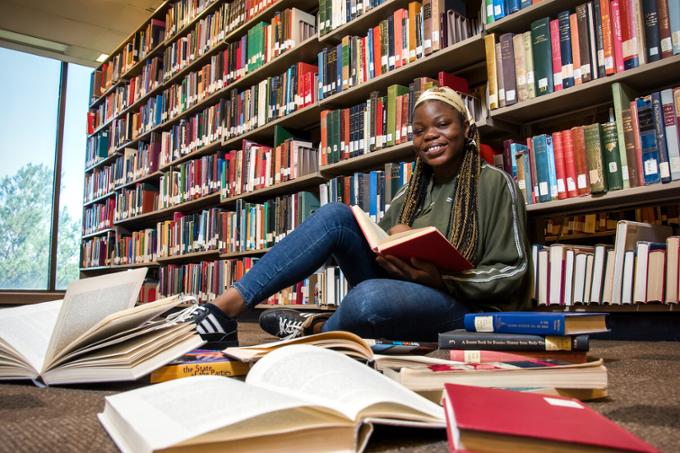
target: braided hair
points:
(463, 227)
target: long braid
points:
(463, 229)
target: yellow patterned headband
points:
(447, 96)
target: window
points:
(31, 91)
(72, 176)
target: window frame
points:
(29, 296)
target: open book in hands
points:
(298, 398)
(425, 244)
(95, 334)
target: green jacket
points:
(502, 277)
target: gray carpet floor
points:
(644, 397)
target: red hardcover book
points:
(479, 419)
(637, 141)
(397, 37)
(560, 173)
(426, 244)
(377, 66)
(665, 38)
(485, 356)
(607, 37)
(571, 175)
(579, 147)
(457, 83)
(556, 54)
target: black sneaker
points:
(288, 324)
(217, 329)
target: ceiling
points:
(77, 31)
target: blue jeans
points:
(376, 306)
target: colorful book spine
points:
(611, 156)
(596, 174)
(532, 323)
(648, 144)
(664, 164)
(542, 56)
(496, 341)
(565, 50)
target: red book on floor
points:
(485, 419)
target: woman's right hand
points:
(399, 228)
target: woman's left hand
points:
(418, 271)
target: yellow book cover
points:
(200, 362)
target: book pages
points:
(27, 330)
(334, 380)
(89, 301)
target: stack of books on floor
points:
(528, 351)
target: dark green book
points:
(598, 183)
(542, 53)
(281, 134)
(611, 156)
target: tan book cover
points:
(491, 74)
(520, 67)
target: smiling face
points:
(439, 137)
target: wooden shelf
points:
(118, 266)
(654, 193)
(316, 307)
(97, 233)
(299, 119)
(137, 67)
(458, 56)
(287, 187)
(102, 126)
(360, 24)
(166, 213)
(148, 177)
(580, 236)
(141, 100)
(189, 257)
(233, 255)
(370, 160)
(103, 197)
(627, 308)
(520, 21)
(198, 152)
(644, 78)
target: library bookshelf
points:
(466, 57)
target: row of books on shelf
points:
(246, 227)
(495, 10)
(606, 222)
(641, 267)
(208, 279)
(205, 35)
(382, 120)
(133, 51)
(395, 42)
(181, 13)
(255, 226)
(599, 38)
(235, 114)
(640, 147)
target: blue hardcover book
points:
(373, 196)
(565, 50)
(511, 6)
(514, 149)
(650, 149)
(321, 79)
(674, 19)
(664, 164)
(540, 148)
(369, 50)
(338, 69)
(551, 168)
(498, 9)
(538, 323)
(524, 4)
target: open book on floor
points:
(344, 342)
(299, 398)
(95, 334)
(426, 244)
